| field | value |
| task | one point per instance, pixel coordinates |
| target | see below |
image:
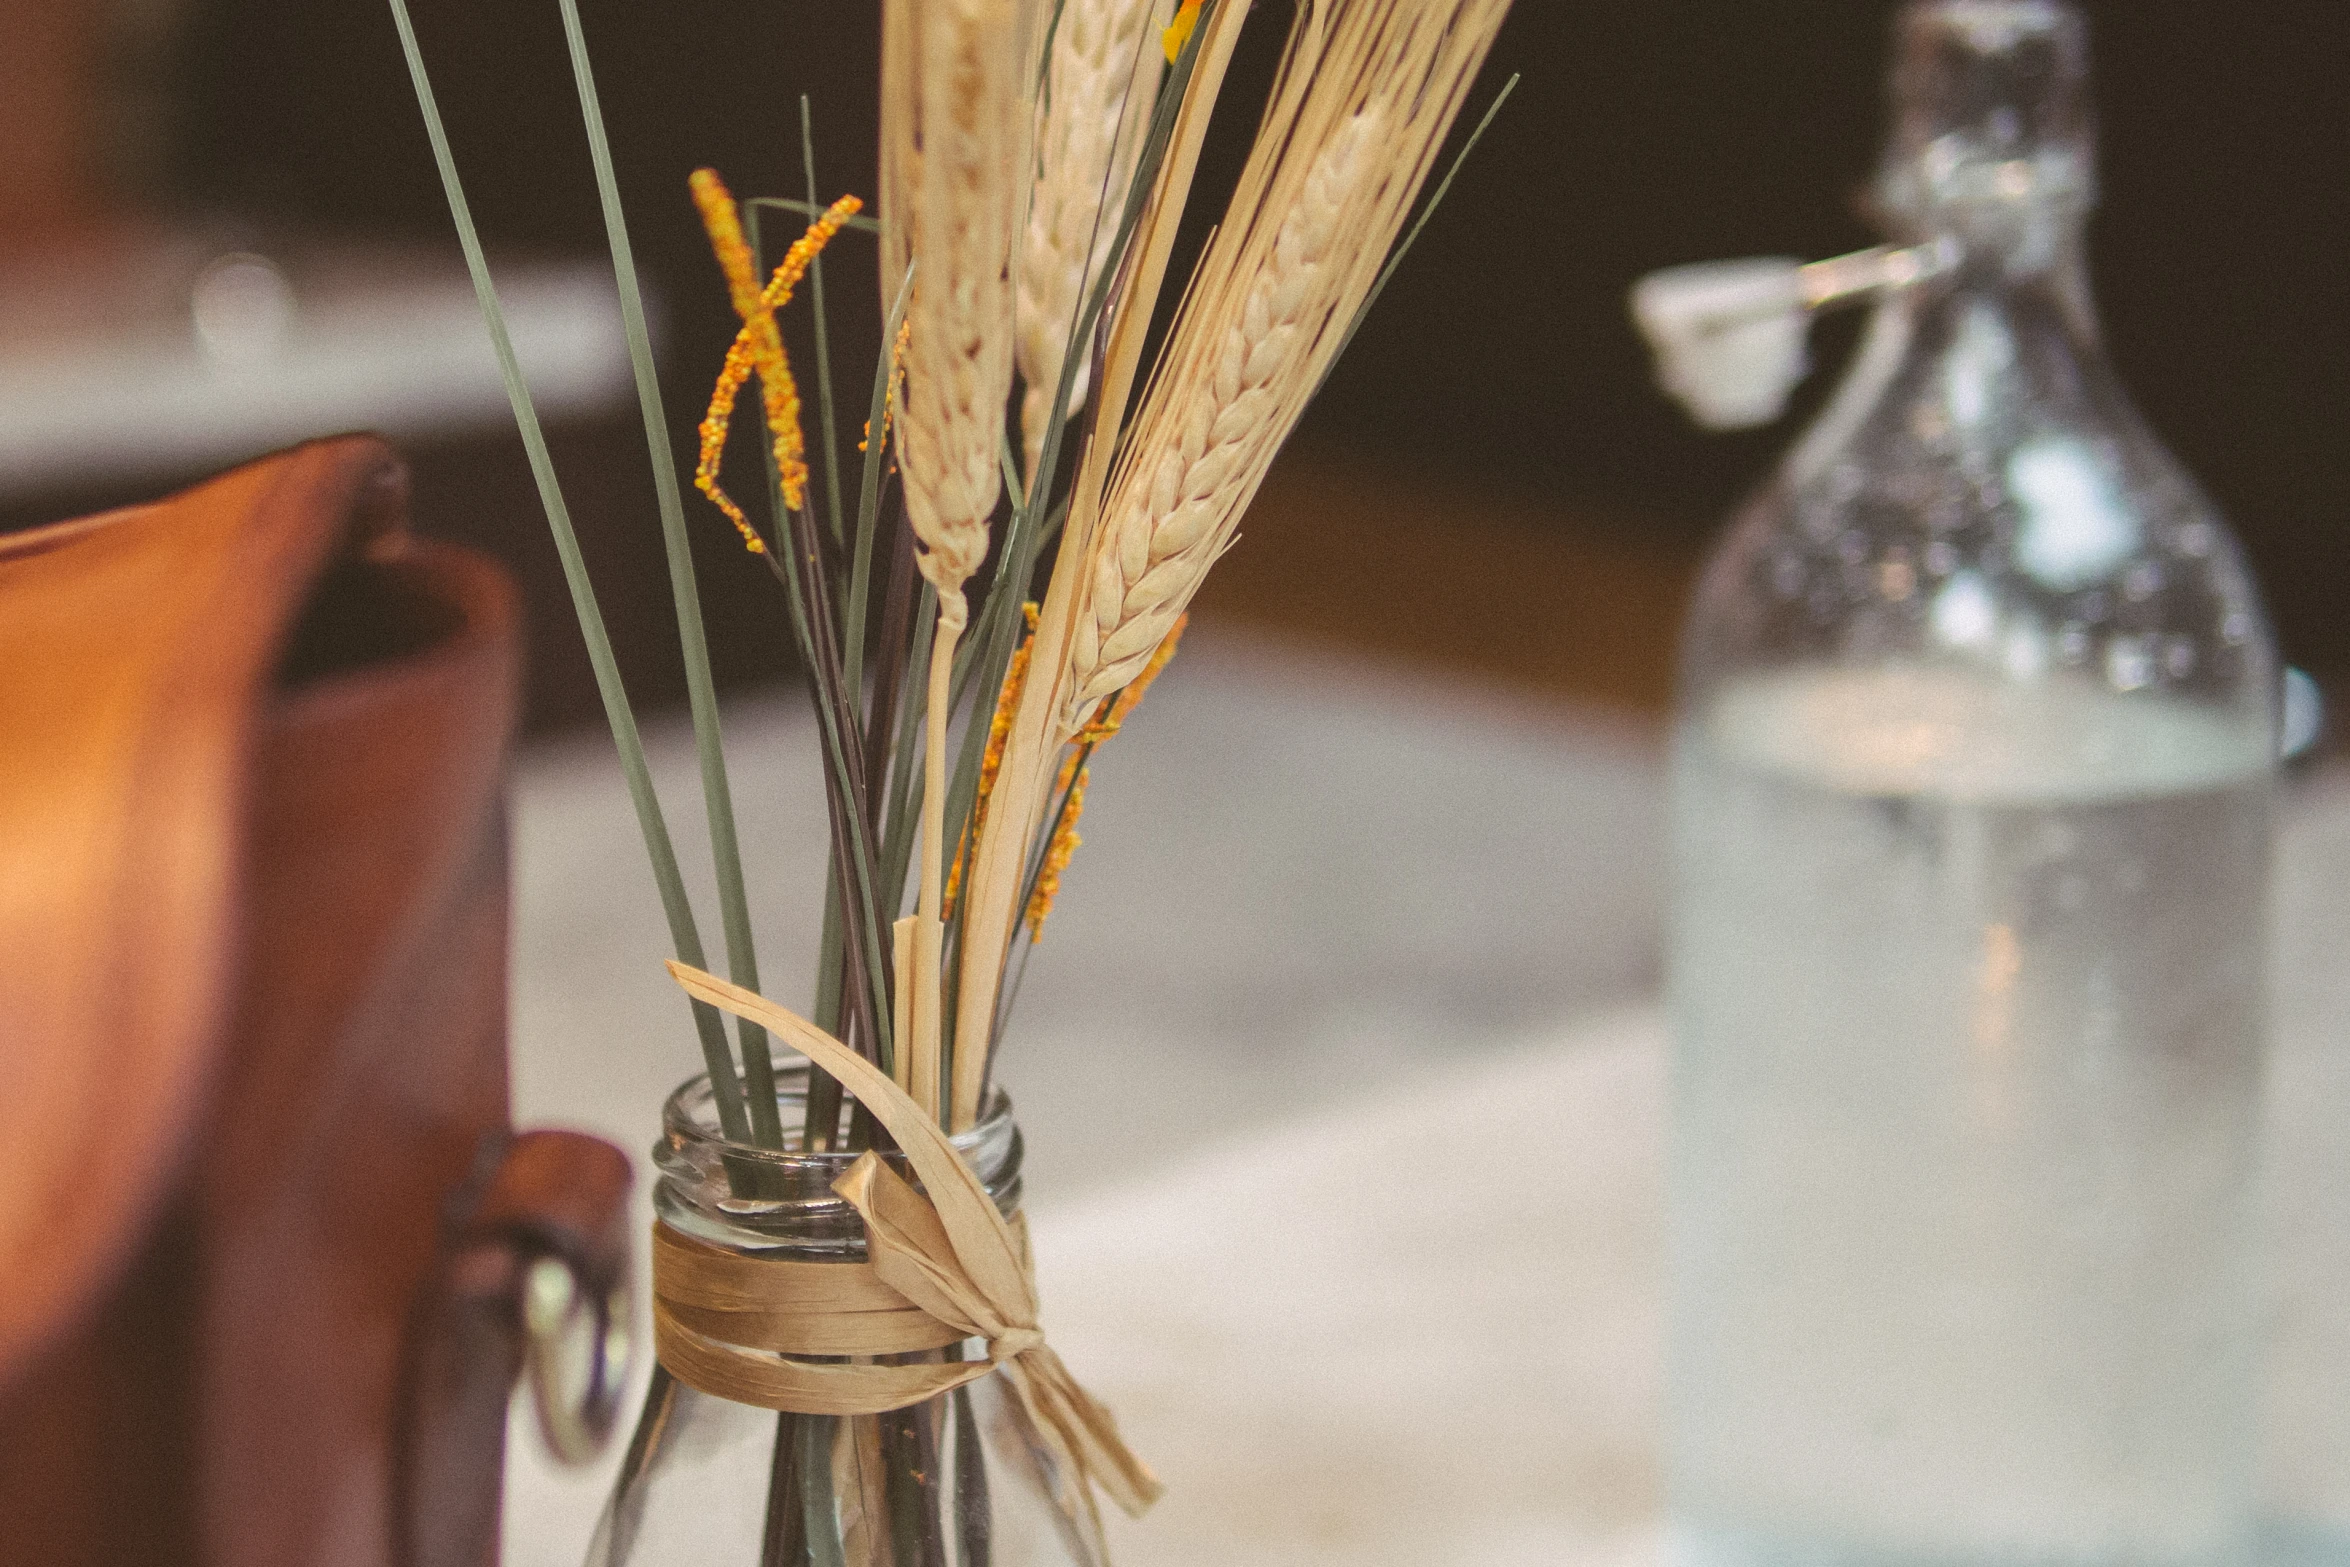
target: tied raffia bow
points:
(942, 1267)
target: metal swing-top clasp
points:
(1729, 335)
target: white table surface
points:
(1391, 912)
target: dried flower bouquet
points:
(979, 600)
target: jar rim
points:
(740, 1195)
(689, 1121)
(690, 1116)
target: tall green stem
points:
(823, 341)
(742, 960)
(869, 502)
(725, 1087)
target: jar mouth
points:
(742, 1195)
(691, 1115)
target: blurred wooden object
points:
(263, 1222)
(49, 125)
(1550, 601)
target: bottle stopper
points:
(1729, 336)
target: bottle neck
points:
(2002, 338)
(2033, 267)
(1992, 149)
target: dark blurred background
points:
(1527, 505)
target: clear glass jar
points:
(954, 1482)
(1973, 776)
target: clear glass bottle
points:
(2305, 1167)
(954, 1482)
(1973, 779)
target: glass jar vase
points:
(959, 1480)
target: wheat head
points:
(1031, 748)
(1166, 521)
(1366, 95)
(1099, 85)
(958, 356)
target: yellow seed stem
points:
(758, 347)
(1179, 31)
(991, 760)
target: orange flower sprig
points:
(991, 761)
(758, 347)
(1114, 710)
(897, 384)
(1061, 851)
(713, 428)
(1179, 31)
(1074, 770)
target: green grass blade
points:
(824, 1095)
(836, 722)
(826, 1016)
(861, 868)
(1055, 820)
(823, 342)
(869, 506)
(847, 821)
(905, 795)
(810, 211)
(1427, 211)
(1044, 56)
(742, 960)
(821, 1527)
(1009, 462)
(725, 1087)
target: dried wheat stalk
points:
(1099, 86)
(1366, 93)
(958, 376)
(958, 356)
(1308, 231)
(997, 866)
(1166, 520)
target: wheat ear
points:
(958, 375)
(1100, 83)
(1309, 227)
(1365, 95)
(992, 898)
(1167, 519)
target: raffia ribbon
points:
(942, 1268)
